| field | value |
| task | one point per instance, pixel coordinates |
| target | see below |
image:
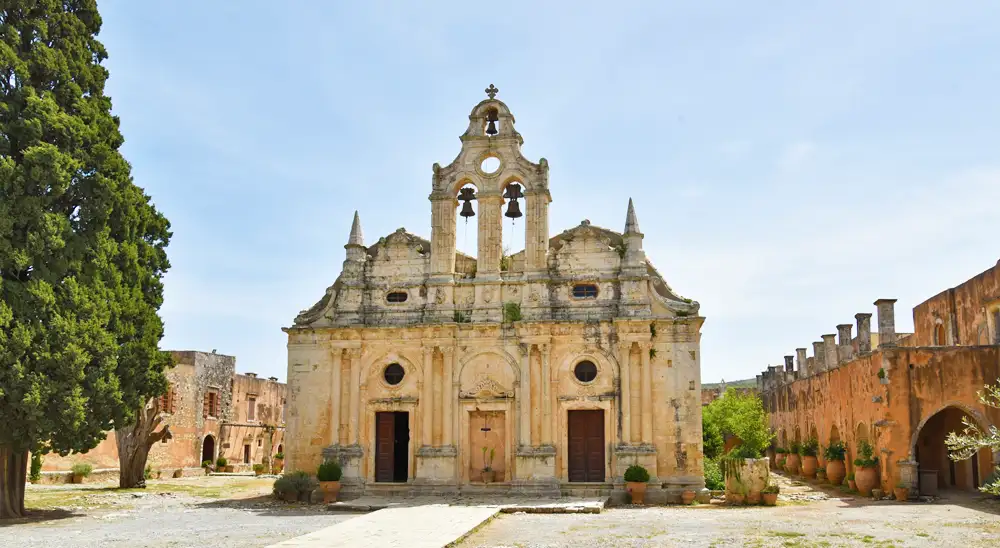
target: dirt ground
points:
(806, 516)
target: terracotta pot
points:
(770, 499)
(735, 498)
(821, 476)
(258, 472)
(229, 468)
(178, 473)
(792, 464)
(866, 479)
(489, 476)
(278, 466)
(852, 485)
(638, 491)
(687, 497)
(330, 490)
(76, 478)
(753, 497)
(836, 471)
(902, 493)
(809, 465)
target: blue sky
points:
(790, 163)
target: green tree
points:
(82, 249)
(711, 435)
(966, 445)
(741, 414)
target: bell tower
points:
(490, 161)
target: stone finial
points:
(845, 348)
(631, 221)
(789, 364)
(864, 332)
(800, 355)
(357, 236)
(830, 350)
(886, 322)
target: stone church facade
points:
(423, 369)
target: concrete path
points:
(427, 526)
(506, 504)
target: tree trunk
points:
(134, 443)
(13, 474)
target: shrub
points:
(511, 312)
(221, 462)
(206, 464)
(810, 448)
(712, 441)
(82, 469)
(866, 458)
(36, 467)
(835, 451)
(771, 488)
(296, 482)
(742, 415)
(781, 451)
(713, 475)
(258, 468)
(148, 472)
(636, 473)
(795, 447)
(329, 471)
(280, 455)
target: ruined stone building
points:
(901, 394)
(212, 412)
(562, 363)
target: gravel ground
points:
(806, 517)
(178, 514)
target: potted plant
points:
(222, 465)
(81, 470)
(901, 491)
(278, 464)
(687, 496)
(489, 474)
(835, 467)
(792, 461)
(779, 458)
(636, 478)
(769, 494)
(821, 474)
(865, 474)
(851, 483)
(258, 469)
(178, 473)
(329, 474)
(207, 466)
(295, 486)
(808, 452)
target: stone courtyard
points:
(218, 512)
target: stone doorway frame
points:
(369, 426)
(466, 407)
(562, 434)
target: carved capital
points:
(354, 353)
(427, 351)
(447, 351)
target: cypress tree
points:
(82, 249)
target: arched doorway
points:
(208, 449)
(931, 453)
(860, 435)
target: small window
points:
(585, 291)
(585, 371)
(397, 297)
(251, 409)
(394, 374)
(260, 442)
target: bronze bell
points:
(513, 209)
(467, 210)
(513, 191)
(491, 117)
(466, 195)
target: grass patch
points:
(786, 534)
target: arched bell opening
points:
(512, 222)
(467, 220)
(936, 470)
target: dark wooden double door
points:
(586, 446)
(392, 442)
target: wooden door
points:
(586, 446)
(385, 435)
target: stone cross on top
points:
(492, 91)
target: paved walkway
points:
(427, 526)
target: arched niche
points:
(492, 372)
(372, 376)
(928, 449)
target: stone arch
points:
(784, 439)
(208, 448)
(813, 432)
(834, 434)
(861, 434)
(928, 450)
(503, 357)
(797, 436)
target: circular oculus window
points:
(585, 371)
(393, 374)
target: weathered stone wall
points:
(265, 431)
(967, 314)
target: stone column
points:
(864, 332)
(536, 232)
(355, 356)
(488, 264)
(524, 398)
(845, 348)
(427, 397)
(338, 354)
(546, 396)
(647, 394)
(800, 355)
(443, 241)
(624, 361)
(447, 396)
(830, 351)
(819, 362)
(886, 322)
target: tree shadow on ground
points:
(267, 505)
(40, 516)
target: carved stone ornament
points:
(533, 297)
(439, 296)
(486, 387)
(488, 295)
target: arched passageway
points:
(208, 449)
(931, 454)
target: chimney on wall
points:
(830, 350)
(886, 322)
(251, 375)
(864, 332)
(819, 363)
(800, 354)
(789, 364)
(845, 348)
(273, 379)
